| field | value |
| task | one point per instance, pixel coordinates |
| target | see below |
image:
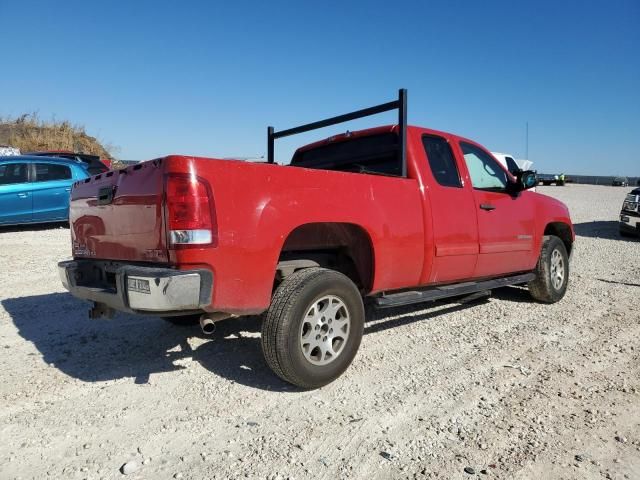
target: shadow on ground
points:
(135, 347)
(33, 227)
(602, 229)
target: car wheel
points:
(313, 328)
(552, 271)
(183, 320)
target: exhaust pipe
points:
(207, 325)
(208, 321)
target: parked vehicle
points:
(394, 215)
(620, 182)
(6, 151)
(94, 162)
(546, 179)
(630, 214)
(514, 166)
(36, 189)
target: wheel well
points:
(562, 231)
(344, 247)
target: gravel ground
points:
(504, 388)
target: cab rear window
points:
(377, 154)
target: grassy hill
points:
(29, 133)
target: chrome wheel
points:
(325, 330)
(557, 269)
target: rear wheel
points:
(313, 327)
(552, 271)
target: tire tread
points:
(540, 288)
(274, 333)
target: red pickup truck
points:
(393, 215)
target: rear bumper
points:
(138, 289)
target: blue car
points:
(36, 189)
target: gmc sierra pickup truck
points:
(393, 215)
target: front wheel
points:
(552, 271)
(313, 328)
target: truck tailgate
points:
(118, 215)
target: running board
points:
(447, 291)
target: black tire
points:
(183, 320)
(282, 328)
(544, 288)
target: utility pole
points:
(527, 141)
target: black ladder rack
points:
(400, 104)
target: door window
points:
(484, 170)
(13, 173)
(441, 161)
(46, 172)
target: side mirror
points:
(528, 179)
(525, 179)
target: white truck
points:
(630, 214)
(514, 166)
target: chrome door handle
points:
(68, 189)
(487, 206)
(23, 195)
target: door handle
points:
(487, 206)
(68, 189)
(23, 195)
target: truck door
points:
(505, 220)
(454, 228)
(15, 193)
(51, 186)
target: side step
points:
(447, 291)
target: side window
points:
(11, 173)
(441, 161)
(484, 171)
(50, 171)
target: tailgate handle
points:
(105, 195)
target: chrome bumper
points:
(630, 222)
(131, 288)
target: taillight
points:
(189, 211)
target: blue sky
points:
(206, 78)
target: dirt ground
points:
(505, 388)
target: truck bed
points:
(257, 207)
